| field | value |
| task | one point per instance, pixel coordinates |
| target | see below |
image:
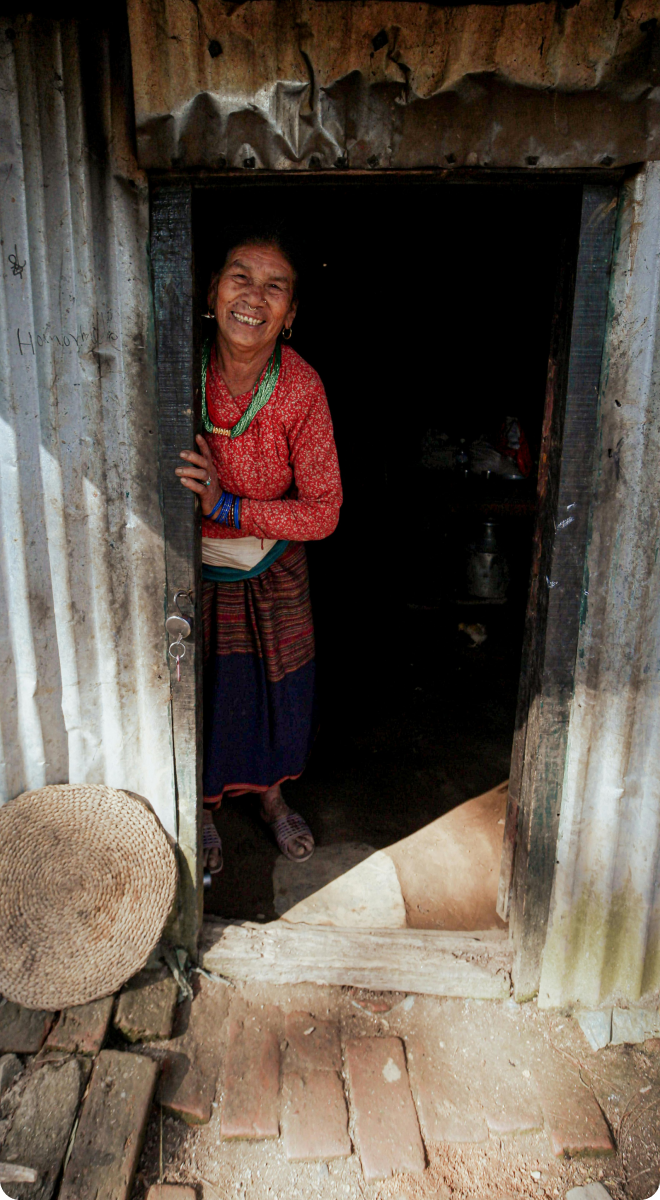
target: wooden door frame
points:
(558, 583)
(560, 543)
(172, 265)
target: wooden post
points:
(172, 265)
(557, 584)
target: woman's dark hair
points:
(263, 235)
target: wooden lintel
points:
(432, 962)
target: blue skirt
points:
(260, 712)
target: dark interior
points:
(426, 309)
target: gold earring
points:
(287, 333)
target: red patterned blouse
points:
(285, 465)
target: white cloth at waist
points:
(241, 553)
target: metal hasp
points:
(177, 624)
(557, 583)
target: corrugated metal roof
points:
(283, 84)
(82, 572)
(604, 934)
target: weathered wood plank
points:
(563, 532)
(474, 965)
(536, 617)
(172, 263)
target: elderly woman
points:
(268, 480)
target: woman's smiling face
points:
(254, 297)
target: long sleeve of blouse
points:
(285, 466)
(311, 511)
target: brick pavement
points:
(354, 1080)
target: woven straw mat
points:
(87, 881)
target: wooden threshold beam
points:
(427, 961)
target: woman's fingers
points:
(204, 447)
(199, 460)
(193, 472)
(196, 486)
(196, 475)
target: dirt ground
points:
(624, 1079)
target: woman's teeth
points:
(245, 320)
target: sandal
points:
(286, 829)
(211, 841)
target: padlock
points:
(179, 627)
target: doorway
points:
(428, 312)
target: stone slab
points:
(171, 1191)
(312, 1045)
(573, 1119)
(252, 1074)
(590, 1191)
(82, 1029)
(145, 1009)
(23, 1030)
(386, 1123)
(596, 1026)
(314, 1117)
(111, 1129)
(470, 1074)
(192, 1064)
(510, 1103)
(10, 1069)
(449, 1110)
(634, 1025)
(42, 1124)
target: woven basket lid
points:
(87, 881)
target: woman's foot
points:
(211, 844)
(292, 834)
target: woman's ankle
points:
(272, 802)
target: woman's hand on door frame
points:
(194, 477)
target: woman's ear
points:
(212, 293)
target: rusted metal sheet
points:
(315, 84)
(603, 941)
(86, 686)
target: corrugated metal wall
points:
(311, 84)
(85, 681)
(603, 942)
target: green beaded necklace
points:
(261, 393)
